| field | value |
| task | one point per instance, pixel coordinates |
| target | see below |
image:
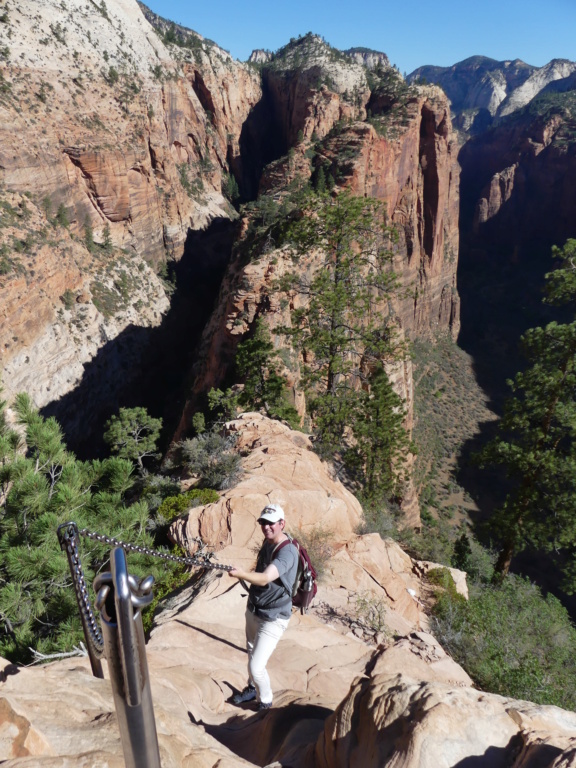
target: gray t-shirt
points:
(274, 601)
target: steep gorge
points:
(132, 149)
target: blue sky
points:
(412, 33)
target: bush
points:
(210, 456)
(156, 488)
(62, 216)
(173, 506)
(317, 543)
(68, 298)
(371, 612)
(511, 640)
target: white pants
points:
(261, 639)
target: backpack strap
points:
(277, 548)
(282, 544)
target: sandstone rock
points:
(282, 468)
(339, 700)
(260, 57)
(370, 59)
(395, 721)
(98, 118)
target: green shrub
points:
(210, 456)
(62, 216)
(173, 506)
(68, 298)
(511, 640)
(171, 581)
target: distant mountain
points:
(371, 59)
(481, 89)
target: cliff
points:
(350, 690)
(113, 145)
(482, 90)
(507, 169)
(380, 139)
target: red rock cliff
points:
(104, 128)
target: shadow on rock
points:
(515, 753)
(287, 733)
(150, 367)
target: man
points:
(269, 603)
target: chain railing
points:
(120, 600)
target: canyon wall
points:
(405, 159)
(518, 180)
(411, 167)
(116, 141)
(112, 148)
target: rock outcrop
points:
(108, 137)
(370, 59)
(346, 694)
(394, 720)
(482, 90)
(406, 159)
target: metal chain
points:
(199, 560)
(68, 535)
(69, 541)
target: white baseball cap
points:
(271, 513)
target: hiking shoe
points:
(264, 705)
(248, 694)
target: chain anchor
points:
(120, 598)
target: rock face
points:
(406, 159)
(370, 59)
(346, 693)
(393, 720)
(280, 468)
(481, 89)
(103, 129)
(506, 172)
(416, 174)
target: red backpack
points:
(305, 587)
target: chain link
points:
(69, 541)
(68, 535)
(199, 560)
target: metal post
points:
(125, 652)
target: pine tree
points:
(107, 239)
(536, 443)
(382, 443)
(44, 485)
(342, 326)
(133, 434)
(264, 388)
(88, 234)
(320, 180)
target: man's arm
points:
(258, 579)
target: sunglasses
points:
(271, 525)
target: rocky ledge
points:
(346, 695)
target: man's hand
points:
(258, 579)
